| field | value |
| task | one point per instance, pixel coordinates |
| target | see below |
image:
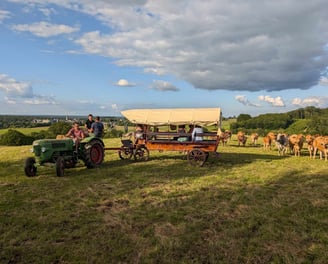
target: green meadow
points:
(247, 205)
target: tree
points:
(60, 128)
(243, 117)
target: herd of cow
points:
(283, 142)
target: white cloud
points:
(14, 88)
(323, 81)
(277, 101)
(47, 11)
(45, 29)
(4, 15)
(163, 86)
(243, 100)
(17, 92)
(311, 101)
(124, 83)
(249, 45)
(281, 46)
(41, 100)
(10, 101)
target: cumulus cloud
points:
(249, 45)
(163, 86)
(17, 92)
(311, 101)
(243, 100)
(14, 88)
(124, 83)
(45, 29)
(281, 46)
(274, 101)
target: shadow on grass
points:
(164, 212)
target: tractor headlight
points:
(43, 149)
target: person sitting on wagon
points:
(197, 130)
(138, 133)
(191, 128)
(182, 129)
(76, 133)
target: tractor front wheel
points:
(30, 168)
(60, 166)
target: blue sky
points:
(93, 56)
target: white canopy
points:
(174, 116)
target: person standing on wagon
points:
(97, 128)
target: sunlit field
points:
(246, 205)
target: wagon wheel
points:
(197, 157)
(60, 166)
(141, 154)
(125, 153)
(30, 168)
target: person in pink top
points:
(76, 133)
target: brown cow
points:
(298, 141)
(254, 138)
(241, 137)
(224, 137)
(267, 143)
(309, 140)
(268, 139)
(321, 144)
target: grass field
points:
(247, 206)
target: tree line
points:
(309, 120)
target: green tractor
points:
(64, 154)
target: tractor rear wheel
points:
(30, 168)
(60, 166)
(94, 154)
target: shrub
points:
(15, 138)
(40, 135)
(60, 128)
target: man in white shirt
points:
(197, 130)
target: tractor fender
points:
(90, 139)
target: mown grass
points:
(247, 206)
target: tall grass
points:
(247, 206)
